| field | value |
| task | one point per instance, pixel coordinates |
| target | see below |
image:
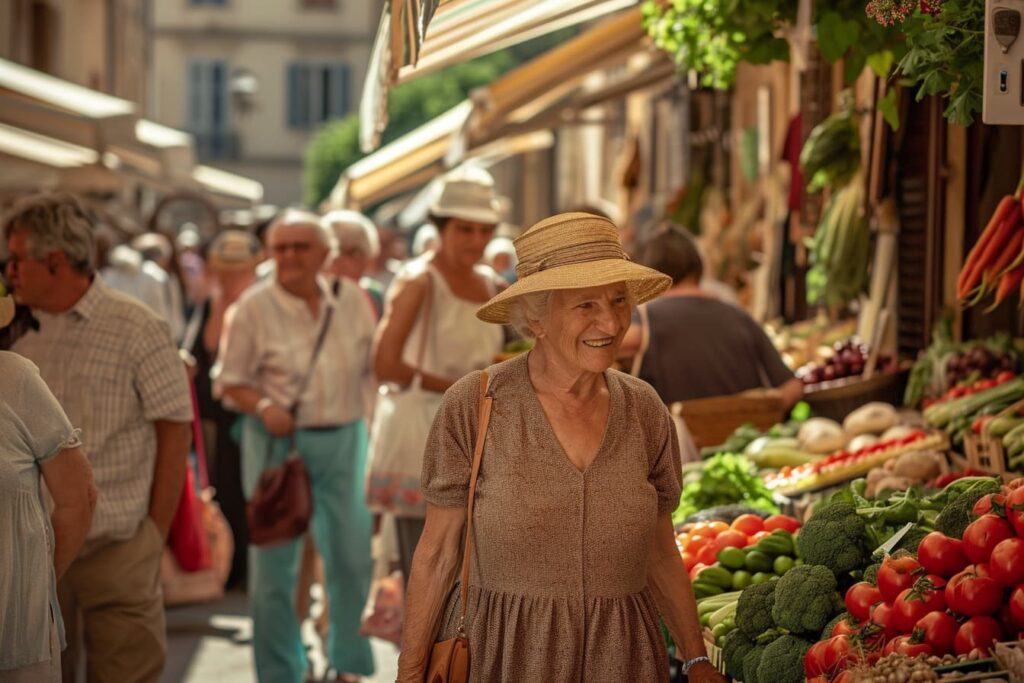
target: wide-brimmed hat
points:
(233, 250)
(573, 251)
(467, 193)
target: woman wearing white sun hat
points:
(36, 442)
(428, 338)
(570, 472)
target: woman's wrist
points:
(263, 404)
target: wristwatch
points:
(690, 663)
(263, 404)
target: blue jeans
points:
(336, 462)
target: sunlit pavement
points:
(213, 644)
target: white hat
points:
(468, 193)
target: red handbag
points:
(187, 535)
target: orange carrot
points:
(996, 245)
(969, 267)
(1007, 284)
(1005, 258)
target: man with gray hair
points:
(111, 363)
(267, 349)
(358, 247)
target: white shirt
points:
(111, 363)
(268, 342)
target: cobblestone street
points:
(213, 644)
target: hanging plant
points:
(945, 52)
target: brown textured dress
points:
(558, 590)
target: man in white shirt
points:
(265, 354)
(111, 363)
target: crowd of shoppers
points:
(303, 340)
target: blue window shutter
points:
(294, 114)
(343, 81)
(194, 116)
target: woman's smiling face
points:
(584, 327)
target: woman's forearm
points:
(673, 593)
(70, 527)
(433, 574)
(401, 373)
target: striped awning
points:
(417, 37)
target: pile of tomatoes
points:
(699, 543)
(956, 597)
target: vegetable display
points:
(995, 265)
(724, 479)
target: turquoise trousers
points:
(336, 461)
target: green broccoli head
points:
(955, 517)
(835, 537)
(871, 573)
(734, 649)
(751, 663)
(754, 609)
(805, 599)
(783, 660)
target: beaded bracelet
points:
(690, 663)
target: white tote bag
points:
(398, 437)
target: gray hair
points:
(55, 222)
(532, 306)
(352, 227)
(299, 217)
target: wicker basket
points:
(710, 421)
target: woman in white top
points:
(452, 284)
(36, 441)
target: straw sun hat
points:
(572, 251)
(233, 250)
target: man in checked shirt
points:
(111, 363)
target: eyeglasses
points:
(297, 247)
(14, 261)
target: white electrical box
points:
(1004, 63)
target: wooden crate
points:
(987, 454)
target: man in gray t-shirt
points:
(698, 346)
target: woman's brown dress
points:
(558, 590)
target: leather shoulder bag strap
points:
(325, 327)
(478, 452)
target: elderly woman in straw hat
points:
(573, 559)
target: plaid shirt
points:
(111, 363)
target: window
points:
(207, 115)
(317, 93)
(208, 3)
(318, 4)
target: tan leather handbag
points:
(449, 659)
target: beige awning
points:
(414, 39)
(401, 165)
(230, 188)
(514, 113)
(31, 161)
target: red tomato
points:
(882, 615)
(1015, 506)
(896, 575)
(781, 522)
(938, 629)
(905, 645)
(708, 554)
(748, 524)
(844, 677)
(984, 534)
(1007, 562)
(913, 603)
(1016, 605)
(695, 569)
(729, 539)
(689, 561)
(942, 555)
(977, 632)
(861, 598)
(845, 627)
(990, 503)
(971, 594)
(702, 530)
(718, 526)
(695, 543)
